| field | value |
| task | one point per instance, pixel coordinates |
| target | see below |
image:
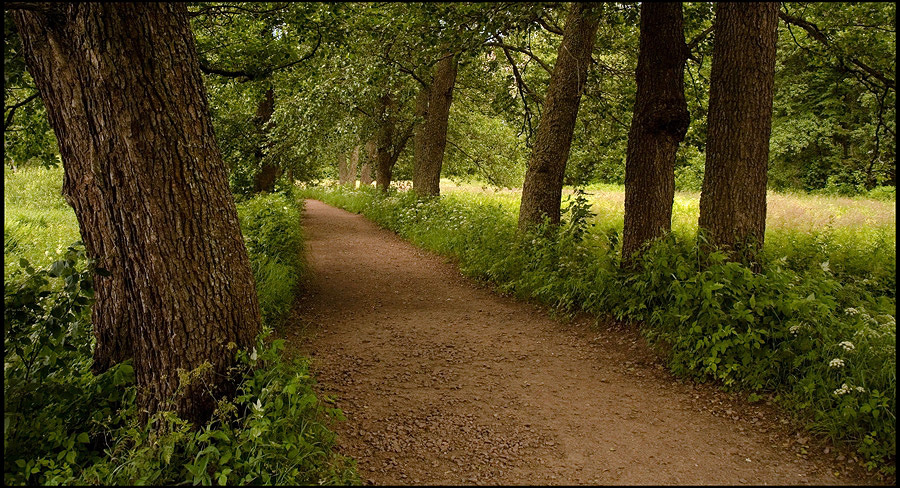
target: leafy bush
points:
(888, 193)
(270, 224)
(816, 327)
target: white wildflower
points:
(851, 311)
(794, 329)
(843, 390)
(860, 389)
(836, 363)
(847, 345)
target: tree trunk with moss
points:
(123, 91)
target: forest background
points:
(313, 92)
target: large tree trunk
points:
(365, 172)
(124, 95)
(742, 79)
(542, 191)
(659, 123)
(427, 170)
(268, 173)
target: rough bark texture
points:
(365, 172)
(542, 190)
(427, 169)
(659, 123)
(733, 197)
(268, 173)
(124, 95)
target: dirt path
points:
(446, 382)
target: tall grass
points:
(816, 328)
(38, 224)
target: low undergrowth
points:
(65, 425)
(815, 329)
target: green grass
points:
(38, 224)
(819, 316)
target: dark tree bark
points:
(427, 170)
(365, 172)
(124, 94)
(268, 173)
(742, 79)
(389, 142)
(542, 190)
(659, 123)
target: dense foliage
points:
(65, 425)
(834, 128)
(815, 328)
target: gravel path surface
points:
(444, 381)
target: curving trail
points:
(446, 382)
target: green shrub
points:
(887, 193)
(270, 224)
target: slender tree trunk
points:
(343, 169)
(124, 95)
(742, 79)
(659, 123)
(421, 114)
(365, 172)
(384, 166)
(353, 166)
(542, 191)
(427, 171)
(268, 173)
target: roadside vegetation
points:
(814, 331)
(65, 425)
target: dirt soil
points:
(445, 381)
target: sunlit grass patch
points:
(38, 224)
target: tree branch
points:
(484, 172)
(817, 34)
(253, 76)
(12, 109)
(695, 42)
(548, 25)
(530, 54)
(222, 10)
